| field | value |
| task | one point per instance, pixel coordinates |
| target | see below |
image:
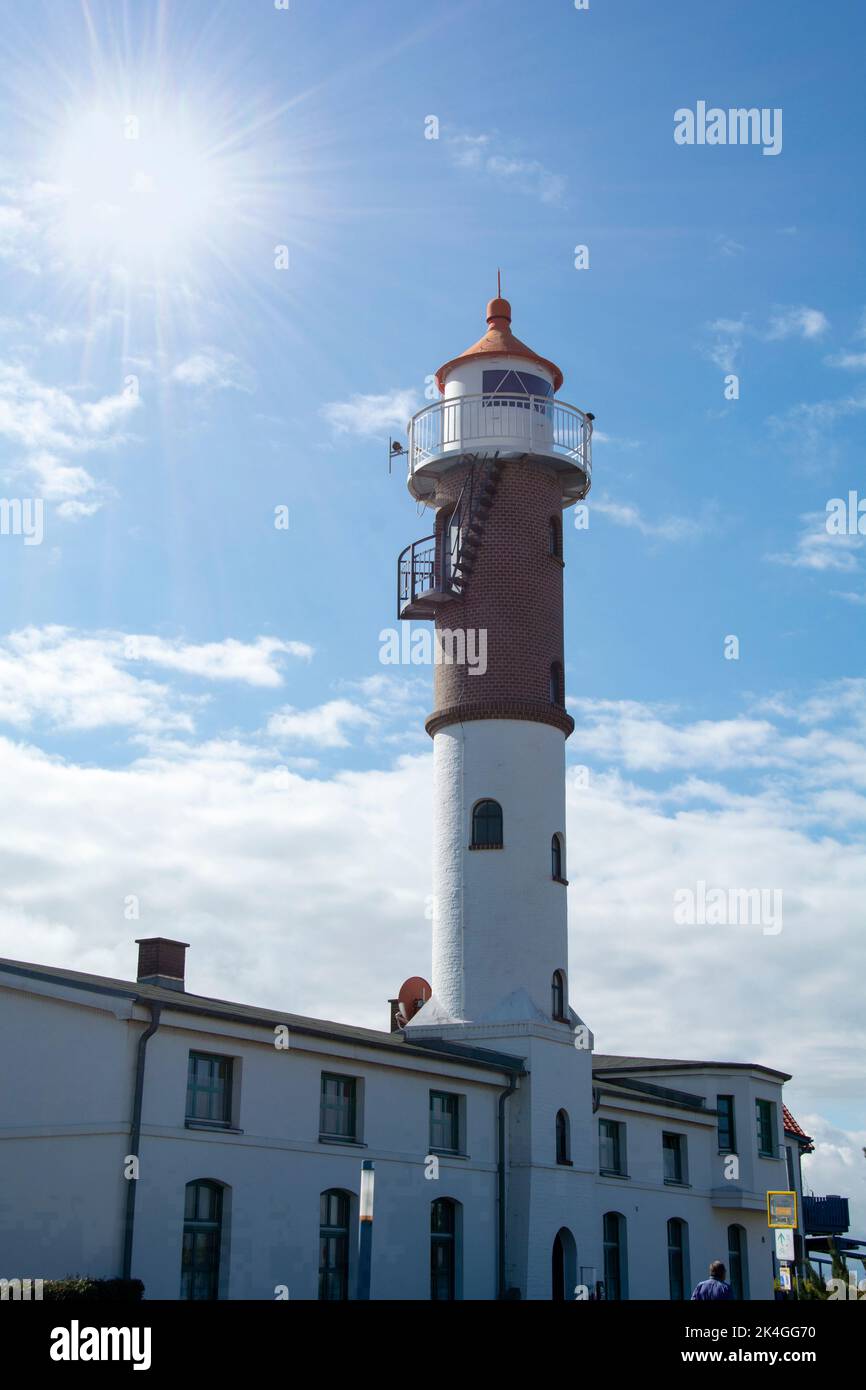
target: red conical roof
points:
(499, 341)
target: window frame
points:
(557, 685)
(559, 996)
(476, 819)
(562, 1134)
(618, 1141)
(456, 1122)
(341, 1233)
(772, 1122)
(557, 858)
(194, 1226)
(680, 1149)
(194, 1088)
(738, 1261)
(731, 1124)
(681, 1252)
(619, 1248)
(327, 1106)
(445, 1241)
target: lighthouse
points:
(497, 458)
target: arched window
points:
(554, 537)
(443, 1249)
(563, 1266)
(558, 995)
(563, 1138)
(487, 825)
(738, 1262)
(556, 695)
(678, 1258)
(334, 1245)
(556, 865)
(202, 1240)
(615, 1256)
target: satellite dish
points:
(413, 995)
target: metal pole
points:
(365, 1235)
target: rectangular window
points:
(727, 1133)
(765, 1117)
(338, 1110)
(444, 1121)
(674, 1155)
(209, 1089)
(611, 1147)
(789, 1160)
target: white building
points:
(213, 1149)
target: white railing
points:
(537, 424)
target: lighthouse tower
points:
(497, 458)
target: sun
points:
(139, 190)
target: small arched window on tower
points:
(557, 860)
(563, 1139)
(556, 695)
(554, 537)
(486, 825)
(558, 996)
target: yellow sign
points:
(782, 1209)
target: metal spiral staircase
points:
(433, 571)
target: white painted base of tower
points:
(500, 926)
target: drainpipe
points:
(135, 1132)
(500, 1168)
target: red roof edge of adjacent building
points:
(791, 1127)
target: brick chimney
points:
(161, 962)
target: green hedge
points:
(79, 1286)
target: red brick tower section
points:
(514, 596)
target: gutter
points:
(135, 1131)
(500, 1173)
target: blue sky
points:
(192, 700)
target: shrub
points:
(82, 1287)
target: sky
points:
(231, 257)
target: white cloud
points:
(322, 727)
(817, 549)
(84, 681)
(253, 663)
(46, 422)
(213, 371)
(792, 322)
(370, 415)
(672, 528)
(850, 361)
(797, 323)
(482, 154)
(727, 246)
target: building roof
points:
(228, 1011)
(499, 341)
(610, 1064)
(650, 1094)
(791, 1127)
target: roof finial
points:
(498, 284)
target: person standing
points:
(716, 1286)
